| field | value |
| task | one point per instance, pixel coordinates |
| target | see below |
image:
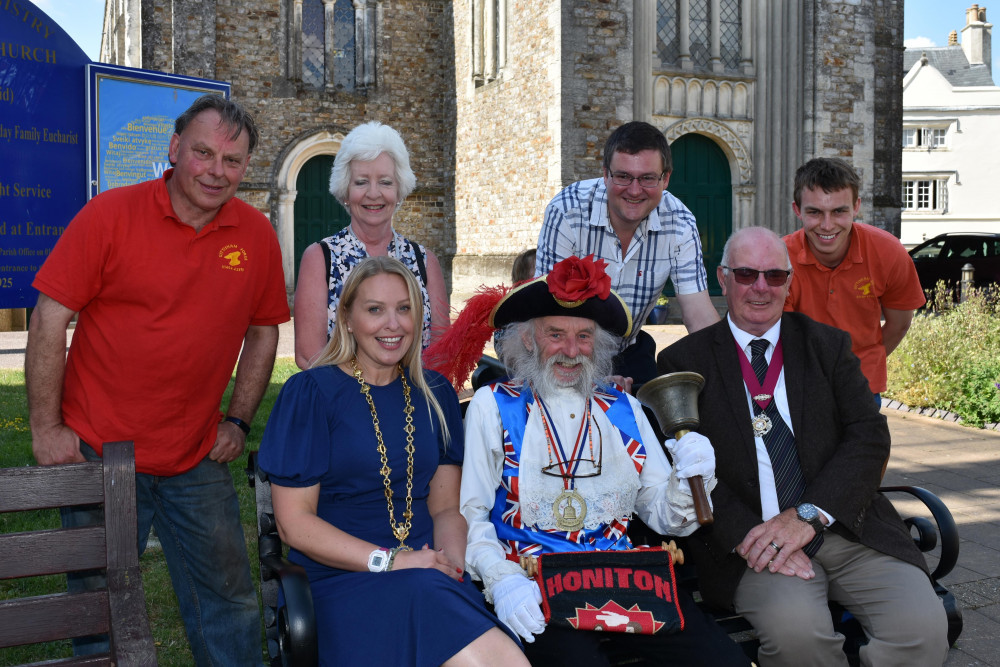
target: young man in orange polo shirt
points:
(848, 274)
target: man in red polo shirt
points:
(848, 274)
(170, 279)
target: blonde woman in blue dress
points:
(364, 454)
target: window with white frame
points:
(925, 195)
(925, 137)
(331, 43)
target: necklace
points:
(400, 530)
(569, 510)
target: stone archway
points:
(740, 162)
(295, 158)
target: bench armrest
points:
(297, 617)
(947, 531)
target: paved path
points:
(959, 464)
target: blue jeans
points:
(197, 519)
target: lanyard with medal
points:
(569, 509)
(761, 395)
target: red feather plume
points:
(457, 351)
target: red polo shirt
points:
(163, 311)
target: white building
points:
(951, 136)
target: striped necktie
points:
(780, 443)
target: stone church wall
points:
(245, 42)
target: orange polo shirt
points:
(876, 273)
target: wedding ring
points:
(776, 547)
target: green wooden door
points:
(702, 180)
(317, 213)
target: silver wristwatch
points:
(378, 560)
(810, 514)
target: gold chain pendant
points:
(400, 530)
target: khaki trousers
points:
(893, 600)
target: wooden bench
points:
(118, 610)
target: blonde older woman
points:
(371, 178)
(364, 453)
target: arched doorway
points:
(702, 180)
(317, 213)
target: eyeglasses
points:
(747, 276)
(621, 179)
(581, 467)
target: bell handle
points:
(702, 508)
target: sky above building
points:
(926, 22)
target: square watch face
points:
(377, 560)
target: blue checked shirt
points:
(666, 245)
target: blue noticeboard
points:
(130, 120)
(42, 141)
(69, 129)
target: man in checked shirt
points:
(645, 234)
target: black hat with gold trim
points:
(576, 287)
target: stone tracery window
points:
(332, 43)
(699, 34)
(731, 33)
(667, 41)
(700, 48)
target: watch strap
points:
(243, 426)
(380, 560)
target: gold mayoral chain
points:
(400, 530)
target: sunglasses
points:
(746, 276)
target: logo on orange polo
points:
(864, 288)
(234, 258)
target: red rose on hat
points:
(575, 279)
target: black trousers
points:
(702, 643)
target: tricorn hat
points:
(575, 287)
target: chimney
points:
(977, 42)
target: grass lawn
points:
(161, 604)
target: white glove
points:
(693, 455)
(516, 600)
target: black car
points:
(942, 258)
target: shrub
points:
(948, 357)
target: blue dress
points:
(320, 432)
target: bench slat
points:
(45, 487)
(52, 552)
(49, 617)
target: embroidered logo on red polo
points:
(864, 288)
(233, 257)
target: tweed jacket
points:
(841, 438)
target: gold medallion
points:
(569, 510)
(761, 425)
